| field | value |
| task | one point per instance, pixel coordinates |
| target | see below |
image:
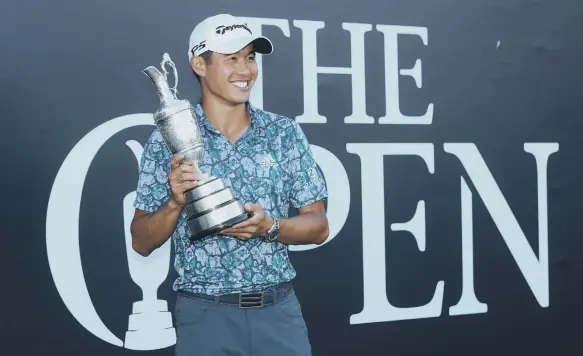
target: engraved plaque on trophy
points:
(211, 205)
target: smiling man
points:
(234, 290)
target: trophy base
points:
(212, 207)
(150, 326)
(217, 228)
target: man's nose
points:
(243, 68)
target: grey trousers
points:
(208, 328)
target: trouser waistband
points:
(259, 299)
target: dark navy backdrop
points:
(499, 74)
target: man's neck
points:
(230, 120)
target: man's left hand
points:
(257, 225)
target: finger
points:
(176, 160)
(251, 222)
(242, 236)
(184, 167)
(177, 174)
(186, 177)
(179, 189)
(255, 208)
(242, 225)
(188, 185)
(179, 178)
(233, 230)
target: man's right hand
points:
(182, 177)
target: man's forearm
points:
(152, 230)
(304, 229)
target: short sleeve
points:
(153, 189)
(307, 181)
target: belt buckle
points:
(251, 300)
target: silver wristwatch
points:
(273, 233)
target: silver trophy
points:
(211, 205)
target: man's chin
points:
(240, 99)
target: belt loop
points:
(276, 295)
(285, 293)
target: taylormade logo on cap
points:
(225, 34)
(220, 30)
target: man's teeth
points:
(240, 84)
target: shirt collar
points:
(257, 121)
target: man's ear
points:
(199, 65)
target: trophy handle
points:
(167, 61)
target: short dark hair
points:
(208, 57)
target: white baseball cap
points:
(225, 34)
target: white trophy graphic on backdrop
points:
(150, 324)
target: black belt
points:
(247, 299)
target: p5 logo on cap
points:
(198, 46)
